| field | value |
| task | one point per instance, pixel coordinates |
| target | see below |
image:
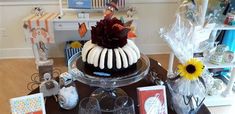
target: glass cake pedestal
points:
(108, 89)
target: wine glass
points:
(124, 105)
(89, 105)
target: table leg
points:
(171, 63)
(229, 88)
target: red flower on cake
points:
(109, 33)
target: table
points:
(85, 90)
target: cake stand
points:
(108, 89)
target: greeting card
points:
(31, 104)
(152, 100)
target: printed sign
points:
(31, 104)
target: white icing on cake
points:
(132, 45)
(104, 57)
(86, 50)
(124, 58)
(86, 44)
(127, 50)
(97, 56)
(91, 55)
(110, 58)
(118, 59)
(134, 55)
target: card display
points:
(152, 100)
(31, 104)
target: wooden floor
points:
(15, 74)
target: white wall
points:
(152, 14)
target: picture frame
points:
(80, 4)
(152, 100)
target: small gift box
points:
(71, 48)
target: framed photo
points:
(79, 4)
(152, 100)
(31, 104)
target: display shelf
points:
(222, 65)
(220, 100)
(92, 10)
(224, 27)
(64, 7)
(73, 17)
(227, 96)
(70, 20)
(226, 79)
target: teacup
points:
(216, 59)
(229, 57)
(216, 88)
(220, 49)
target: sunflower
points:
(192, 70)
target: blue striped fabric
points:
(69, 52)
(93, 4)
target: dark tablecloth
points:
(52, 107)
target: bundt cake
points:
(109, 47)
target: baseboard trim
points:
(11, 53)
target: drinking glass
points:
(89, 105)
(124, 105)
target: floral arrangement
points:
(110, 33)
(188, 85)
